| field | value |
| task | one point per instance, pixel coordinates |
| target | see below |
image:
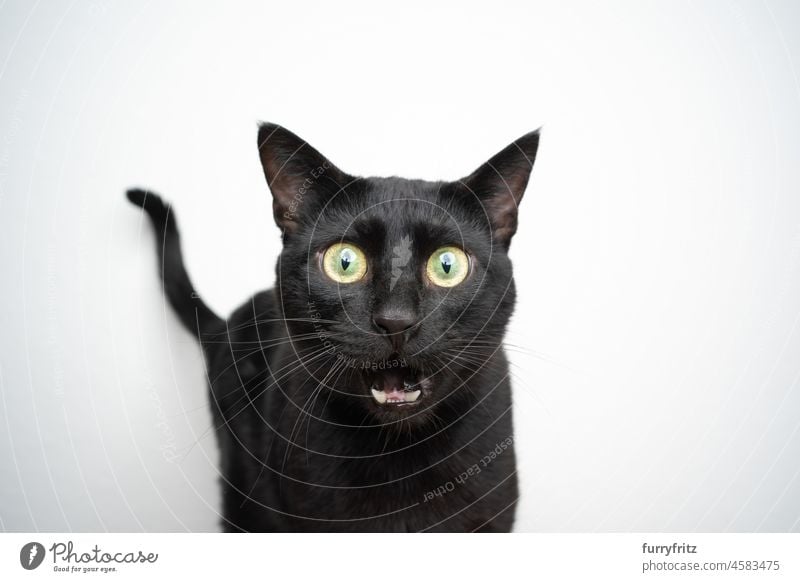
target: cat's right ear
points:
(296, 174)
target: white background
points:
(657, 261)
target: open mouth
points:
(397, 387)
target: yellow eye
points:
(344, 263)
(447, 267)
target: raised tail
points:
(195, 315)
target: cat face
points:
(405, 285)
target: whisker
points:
(297, 364)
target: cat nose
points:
(395, 325)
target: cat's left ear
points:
(500, 183)
(297, 174)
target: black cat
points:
(369, 390)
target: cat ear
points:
(296, 174)
(500, 183)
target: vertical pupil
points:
(447, 262)
(346, 259)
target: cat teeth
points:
(381, 397)
(412, 396)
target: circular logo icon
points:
(31, 555)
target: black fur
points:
(193, 313)
(304, 446)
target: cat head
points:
(400, 289)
